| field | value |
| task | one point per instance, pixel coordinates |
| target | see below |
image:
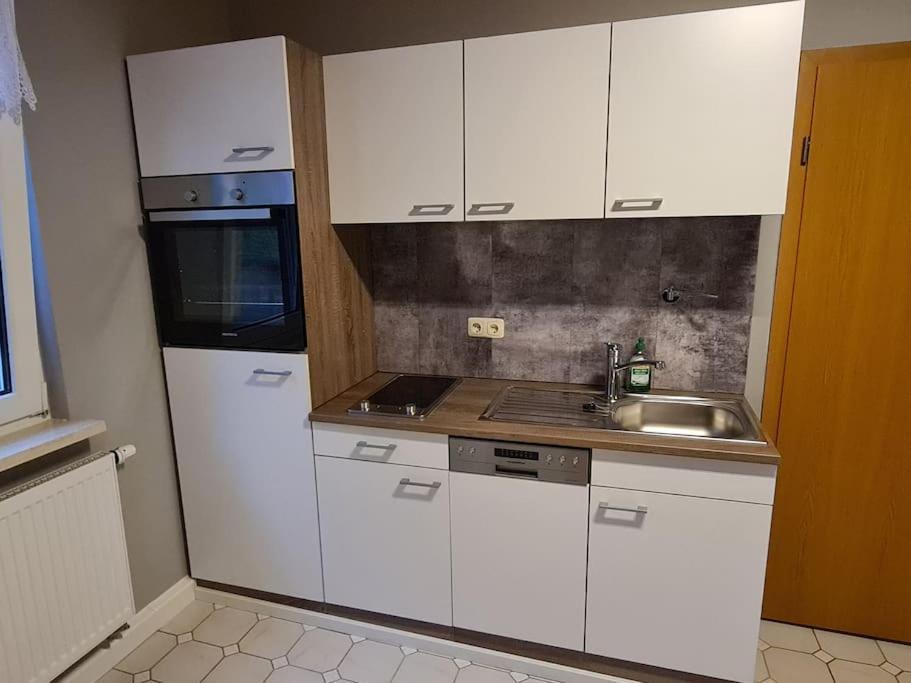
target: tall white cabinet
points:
(536, 124)
(212, 109)
(701, 112)
(245, 461)
(394, 130)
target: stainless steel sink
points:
(668, 414)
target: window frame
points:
(26, 399)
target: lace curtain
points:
(15, 85)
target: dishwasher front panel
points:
(519, 558)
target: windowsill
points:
(35, 442)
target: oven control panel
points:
(526, 461)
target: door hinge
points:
(805, 151)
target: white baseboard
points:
(448, 648)
(143, 624)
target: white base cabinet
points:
(518, 558)
(245, 460)
(385, 537)
(674, 580)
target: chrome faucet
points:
(612, 386)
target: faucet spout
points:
(612, 385)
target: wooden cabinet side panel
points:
(335, 260)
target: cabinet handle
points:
(648, 204)
(639, 509)
(244, 150)
(275, 373)
(495, 208)
(364, 444)
(407, 482)
(431, 209)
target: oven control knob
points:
(562, 459)
(461, 450)
(548, 458)
(191, 195)
(237, 194)
(575, 461)
(411, 409)
(471, 450)
(365, 406)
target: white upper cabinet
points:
(701, 112)
(536, 123)
(394, 128)
(212, 109)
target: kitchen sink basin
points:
(667, 414)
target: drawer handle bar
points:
(407, 482)
(275, 373)
(647, 204)
(243, 150)
(431, 209)
(491, 208)
(639, 509)
(364, 444)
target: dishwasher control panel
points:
(526, 461)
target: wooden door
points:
(840, 555)
(245, 459)
(386, 543)
(536, 124)
(679, 586)
(701, 112)
(394, 130)
(212, 109)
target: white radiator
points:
(64, 575)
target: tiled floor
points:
(793, 654)
(218, 644)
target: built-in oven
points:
(224, 260)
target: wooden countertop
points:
(459, 413)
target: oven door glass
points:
(228, 278)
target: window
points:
(22, 381)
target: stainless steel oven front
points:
(224, 260)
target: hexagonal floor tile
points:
(371, 662)
(904, 678)
(189, 618)
(852, 648)
(421, 667)
(762, 672)
(853, 672)
(898, 654)
(148, 654)
(320, 650)
(271, 638)
(291, 674)
(786, 666)
(788, 636)
(189, 662)
(224, 627)
(114, 676)
(240, 668)
(481, 674)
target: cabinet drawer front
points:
(676, 581)
(382, 445)
(722, 479)
(385, 538)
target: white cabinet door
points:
(536, 123)
(245, 459)
(701, 112)
(518, 558)
(394, 129)
(679, 585)
(212, 109)
(385, 533)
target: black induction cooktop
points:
(406, 396)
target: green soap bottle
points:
(639, 377)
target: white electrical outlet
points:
(488, 328)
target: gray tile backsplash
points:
(564, 288)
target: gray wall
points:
(84, 171)
(348, 25)
(564, 288)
